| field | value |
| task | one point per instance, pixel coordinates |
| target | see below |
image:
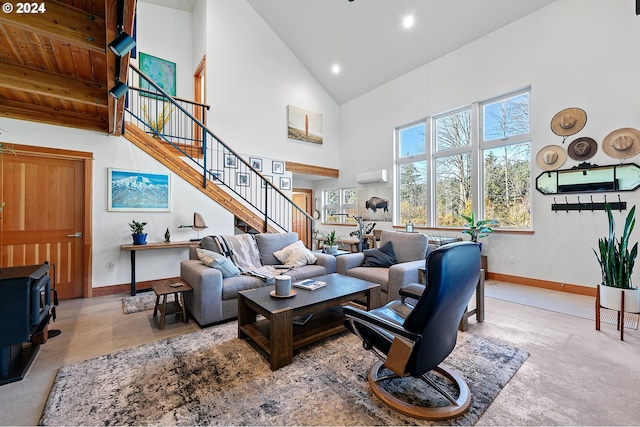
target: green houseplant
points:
(137, 232)
(617, 259)
(477, 229)
(331, 239)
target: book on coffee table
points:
(302, 319)
(310, 284)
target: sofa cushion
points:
(233, 285)
(268, 243)
(295, 254)
(377, 275)
(209, 244)
(406, 246)
(382, 257)
(219, 262)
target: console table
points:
(149, 246)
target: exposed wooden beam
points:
(312, 170)
(63, 22)
(40, 82)
(111, 7)
(37, 113)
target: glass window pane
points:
(506, 118)
(412, 140)
(330, 215)
(507, 178)
(413, 193)
(453, 131)
(331, 197)
(349, 196)
(453, 189)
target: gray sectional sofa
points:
(215, 299)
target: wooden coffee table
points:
(278, 336)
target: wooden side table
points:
(163, 288)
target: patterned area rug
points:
(141, 302)
(210, 377)
(560, 302)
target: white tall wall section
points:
(573, 53)
(251, 78)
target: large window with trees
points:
(412, 172)
(473, 159)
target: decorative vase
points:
(167, 236)
(139, 239)
(611, 298)
(332, 249)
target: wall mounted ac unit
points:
(371, 177)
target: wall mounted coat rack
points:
(587, 206)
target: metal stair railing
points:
(173, 121)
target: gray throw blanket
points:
(245, 255)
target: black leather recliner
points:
(414, 335)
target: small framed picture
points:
(242, 179)
(217, 175)
(256, 163)
(285, 183)
(230, 161)
(268, 178)
(277, 167)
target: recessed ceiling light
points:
(408, 21)
(335, 69)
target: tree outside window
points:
(495, 165)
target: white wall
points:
(251, 78)
(573, 53)
(110, 229)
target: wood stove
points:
(25, 310)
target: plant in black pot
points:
(138, 234)
(617, 259)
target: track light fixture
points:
(118, 90)
(122, 44)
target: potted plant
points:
(161, 120)
(330, 239)
(138, 234)
(617, 260)
(477, 229)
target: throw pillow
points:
(208, 244)
(219, 262)
(295, 255)
(383, 257)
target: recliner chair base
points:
(435, 414)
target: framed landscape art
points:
(136, 191)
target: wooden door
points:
(302, 198)
(45, 217)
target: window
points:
(453, 169)
(412, 173)
(338, 203)
(506, 154)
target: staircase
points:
(167, 129)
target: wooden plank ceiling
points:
(55, 65)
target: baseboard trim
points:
(546, 284)
(125, 288)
